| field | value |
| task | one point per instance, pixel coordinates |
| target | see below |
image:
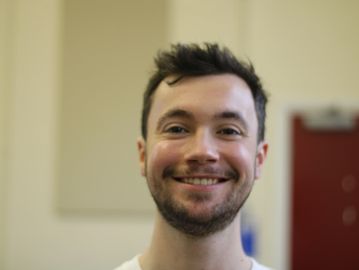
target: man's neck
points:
(172, 249)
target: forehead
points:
(204, 96)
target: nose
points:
(202, 148)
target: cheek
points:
(161, 155)
(242, 158)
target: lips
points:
(204, 176)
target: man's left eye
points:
(229, 131)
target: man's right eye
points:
(176, 130)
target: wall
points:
(104, 70)
(2, 157)
(305, 51)
(38, 237)
(209, 21)
(5, 54)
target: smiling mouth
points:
(200, 181)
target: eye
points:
(229, 132)
(176, 130)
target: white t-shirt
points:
(134, 264)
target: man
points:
(201, 149)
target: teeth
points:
(201, 181)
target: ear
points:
(141, 148)
(261, 155)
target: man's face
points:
(201, 155)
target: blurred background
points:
(72, 74)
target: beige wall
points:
(305, 51)
(107, 48)
(38, 237)
(5, 51)
(209, 21)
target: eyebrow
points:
(237, 116)
(173, 114)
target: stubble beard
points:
(199, 226)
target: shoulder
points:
(257, 266)
(132, 264)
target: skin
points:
(201, 127)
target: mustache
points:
(206, 170)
